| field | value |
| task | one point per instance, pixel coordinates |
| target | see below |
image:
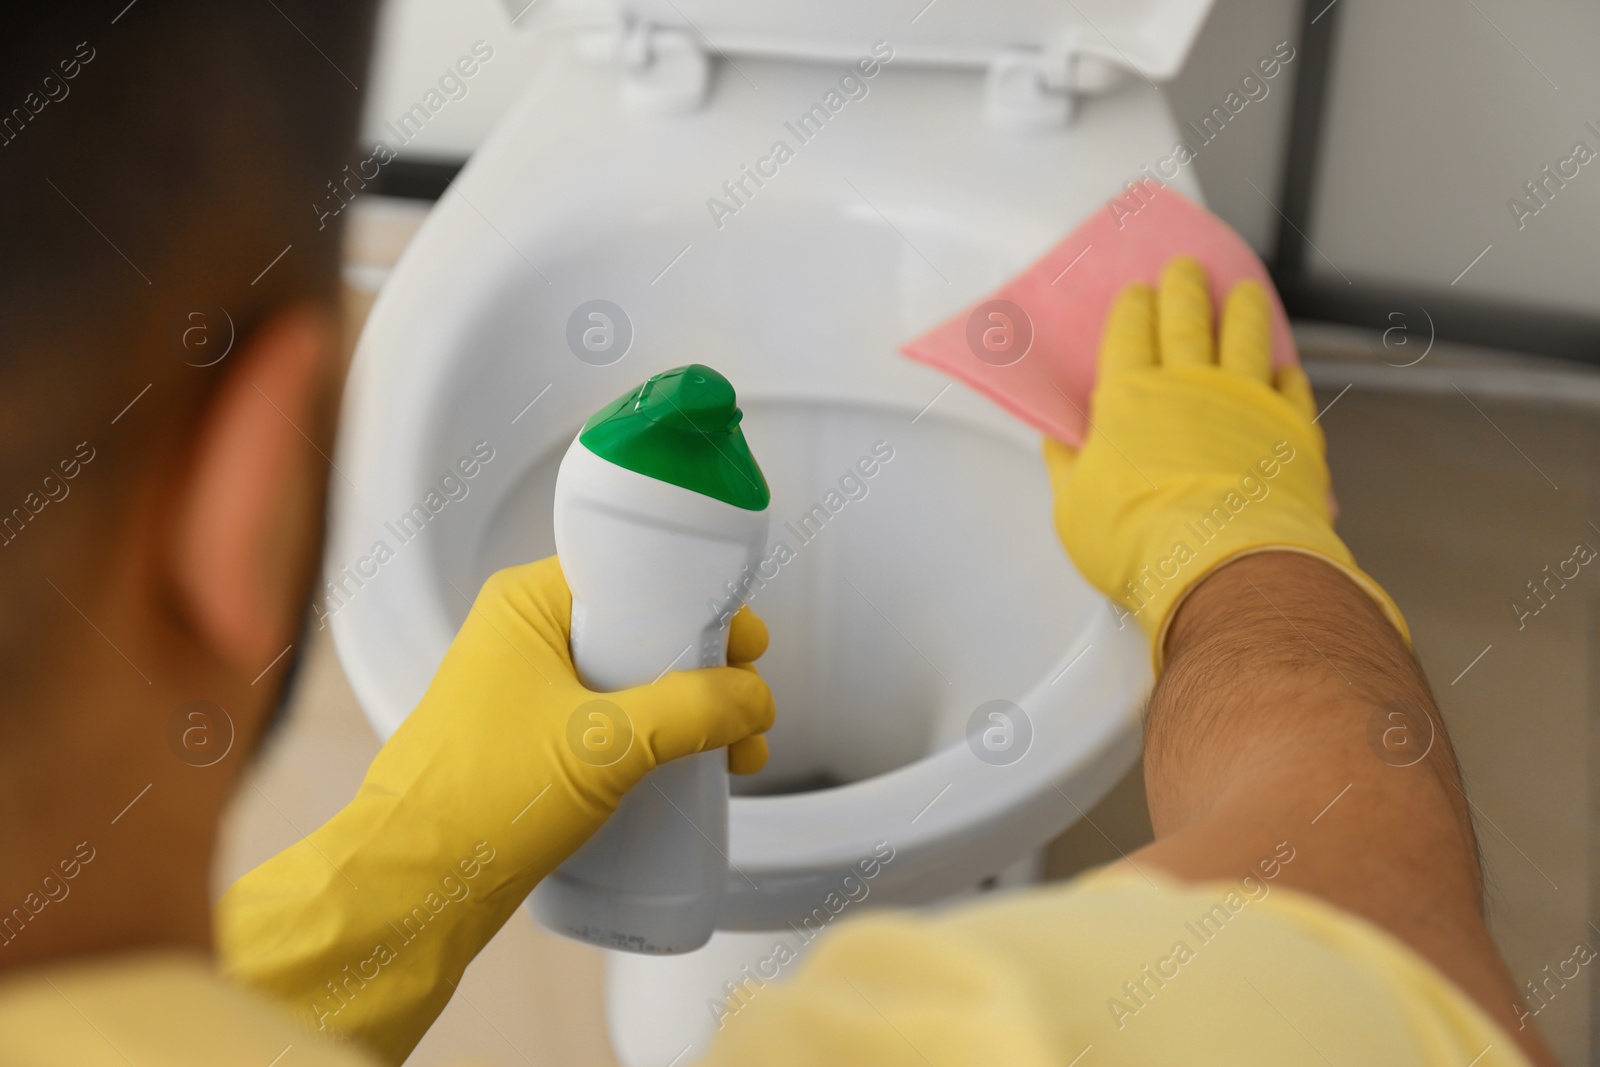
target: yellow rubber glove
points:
(499, 774)
(1196, 454)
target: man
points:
(160, 166)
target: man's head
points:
(169, 378)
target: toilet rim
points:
(1084, 712)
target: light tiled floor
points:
(1453, 499)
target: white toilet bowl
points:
(950, 693)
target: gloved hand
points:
(499, 774)
(1195, 455)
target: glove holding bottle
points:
(495, 778)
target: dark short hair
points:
(159, 159)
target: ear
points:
(249, 512)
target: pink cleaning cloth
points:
(1033, 345)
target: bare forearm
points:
(1282, 680)
(1291, 711)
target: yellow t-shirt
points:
(1107, 971)
(1114, 971)
(159, 1009)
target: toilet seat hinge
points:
(664, 70)
(1030, 90)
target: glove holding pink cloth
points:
(1032, 346)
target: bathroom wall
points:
(1441, 112)
(419, 41)
(1239, 171)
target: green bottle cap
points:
(681, 426)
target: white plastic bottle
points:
(659, 511)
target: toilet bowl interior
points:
(912, 573)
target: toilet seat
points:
(899, 211)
